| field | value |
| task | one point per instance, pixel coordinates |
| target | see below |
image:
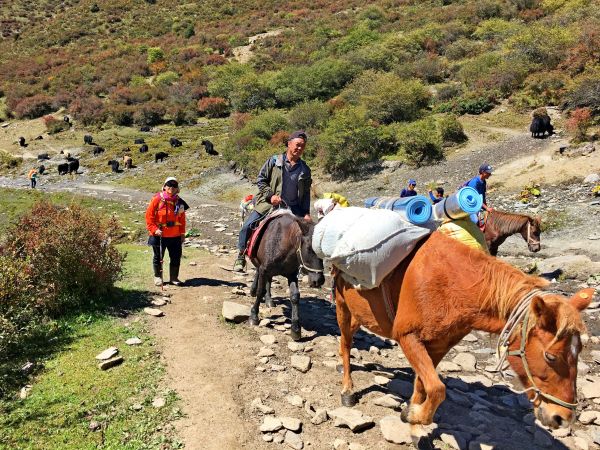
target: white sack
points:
(365, 244)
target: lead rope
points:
(302, 264)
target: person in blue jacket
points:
(479, 182)
(437, 195)
(410, 190)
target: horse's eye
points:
(549, 357)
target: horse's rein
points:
(303, 264)
(530, 240)
(521, 315)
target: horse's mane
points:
(509, 222)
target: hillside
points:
(392, 74)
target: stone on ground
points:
(448, 366)
(351, 418)
(394, 430)
(454, 440)
(133, 341)
(591, 389)
(388, 401)
(158, 302)
(588, 417)
(293, 440)
(258, 405)
(380, 380)
(268, 339)
(105, 365)
(270, 424)
(301, 363)
(107, 354)
(296, 346)
(295, 400)
(291, 423)
(154, 312)
(319, 417)
(465, 360)
(265, 351)
(159, 402)
(234, 312)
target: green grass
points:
(14, 202)
(71, 391)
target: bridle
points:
(303, 264)
(521, 315)
(530, 239)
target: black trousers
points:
(173, 244)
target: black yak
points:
(139, 141)
(144, 148)
(73, 166)
(41, 169)
(209, 148)
(88, 139)
(160, 156)
(97, 150)
(145, 128)
(63, 168)
(540, 124)
(174, 142)
(114, 165)
(42, 156)
(22, 142)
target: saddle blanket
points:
(257, 233)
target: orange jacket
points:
(161, 211)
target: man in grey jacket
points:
(285, 180)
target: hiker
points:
(410, 190)
(479, 183)
(165, 221)
(284, 180)
(437, 195)
(32, 175)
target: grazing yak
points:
(66, 119)
(145, 128)
(70, 158)
(126, 149)
(174, 142)
(41, 169)
(39, 138)
(22, 142)
(139, 141)
(160, 156)
(209, 147)
(114, 165)
(73, 166)
(88, 139)
(63, 168)
(144, 148)
(42, 156)
(128, 162)
(97, 150)
(540, 124)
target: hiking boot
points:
(158, 281)
(174, 276)
(176, 282)
(240, 264)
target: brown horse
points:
(436, 306)
(500, 225)
(285, 249)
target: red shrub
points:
(239, 120)
(88, 110)
(279, 138)
(33, 107)
(213, 107)
(579, 121)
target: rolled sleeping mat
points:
(460, 204)
(416, 210)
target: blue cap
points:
(413, 182)
(485, 168)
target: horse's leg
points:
(348, 326)
(424, 367)
(269, 303)
(260, 293)
(296, 331)
(254, 285)
(419, 394)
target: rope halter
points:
(531, 240)
(303, 264)
(521, 315)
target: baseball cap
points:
(172, 181)
(298, 134)
(486, 168)
(413, 182)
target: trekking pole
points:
(162, 283)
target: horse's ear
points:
(304, 226)
(582, 299)
(544, 313)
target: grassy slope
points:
(71, 391)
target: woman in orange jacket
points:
(165, 221)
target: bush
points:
(311, 115)
(579, 122)
(419, 142)
(541, 44)
(543, 88)
(69, 252)
(496, 29)
(250, 92)
(348, 141)
(450, 129)
(183, 116)
(120, 114)
(223, 78)
(213, 107)
(88, 110)
(166, 78)
(53, 125)
(8, 161)
(448, 91)
(471, 103)
(584, 94)
(33, 107)
(155, 54)
(150, 114)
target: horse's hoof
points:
(269, 303)
(253, 321)
(349, 400)
(422, 442)
(404, 414)
(296, 335)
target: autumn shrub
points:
(450, 129)
(33, 107)
(213, 107)
(54, 125)
(584, 93)
(251, 92)
(150, 113)
(8, 161)
(166, 78)
(419, 142)
(88, 110)
(69, 253)
(462, 48)
(578, 122)
(155, 54)
(542, 88)
(448, 91)
(120, 114)
(310, 115)
(183, 115)
(539, 44)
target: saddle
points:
(258, 230)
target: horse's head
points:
(548, 365)
(531, 232)
(310, 263)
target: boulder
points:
(293, 440)
(270, 424)
(234, 312)
(351, 418)
(395, 431)
(592, 178)
(107, 354)
(301, 363)
(291, 423)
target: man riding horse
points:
(283, 180)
